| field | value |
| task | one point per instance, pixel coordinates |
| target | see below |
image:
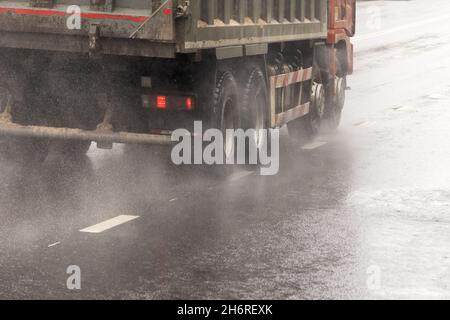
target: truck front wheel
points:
(308, 127)
(335, 105)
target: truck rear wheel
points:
(225, 109)
(225, 116)
(254, 105)
(254, 111)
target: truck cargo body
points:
(134, 71)
(160, 28)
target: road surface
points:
(365, 213)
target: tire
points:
(335, 105)
(334, 108)
(225, 115)
(254, 102)
(254, 107)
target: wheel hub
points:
(318, 99)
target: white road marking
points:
(173, 200)
(240, 175)
(108, 224)
(54, 244)
(314, 145)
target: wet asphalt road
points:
(365, 215)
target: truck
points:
(73, 72)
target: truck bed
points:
(157, 29)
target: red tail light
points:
(189, 103)
(168, 102)
(167, 11)
(161, 102)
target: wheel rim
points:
(318, 109)
(338, 103)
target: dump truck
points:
(73, 72)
